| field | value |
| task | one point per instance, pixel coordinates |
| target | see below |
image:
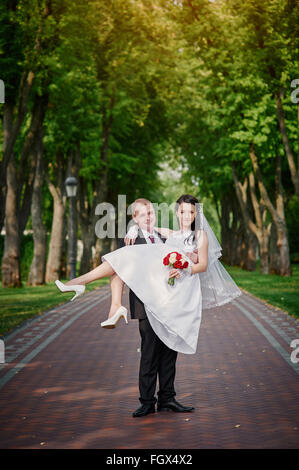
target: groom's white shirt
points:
(146, 235)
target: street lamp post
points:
(71, 190)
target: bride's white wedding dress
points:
(174, 312)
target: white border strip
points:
(269, 337)
(264, 317)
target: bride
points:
(174, 312)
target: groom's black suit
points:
(157, 359)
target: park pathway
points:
(68, 383)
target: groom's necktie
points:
(151, 238)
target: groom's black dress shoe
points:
(144, 410)
(173, 405)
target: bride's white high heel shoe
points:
(112, 322)
(79, 289)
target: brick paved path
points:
(68, 383)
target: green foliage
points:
(173, 86)
(11, 49)
(18, 305)
(277, 290)
(225, 97)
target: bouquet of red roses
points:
(174, 260)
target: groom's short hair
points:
(141, 200)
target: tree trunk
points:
(57, 238)
(7, 130)
(284, 250)
(238, 248)
(102, 247)
(38, 266)
(27, 165)
(263, 230)
(24, 203)
(277, 213)
(16, 216)
(224, 219)
(274, 262)
(88, 239)
(264, 255)
(11, 272)
(239, 244)
(248, 250)
(226, 233)
(254, 232)
(239, 255)
(96, 260)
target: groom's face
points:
(145, 216)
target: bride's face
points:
(186, 214)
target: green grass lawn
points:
(283, 292)
(19, 304)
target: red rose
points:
(166, 261)
(186, 264)
(178, 256)
(177, 264)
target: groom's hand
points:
(129, 241)
(131, 235)
(193, 256)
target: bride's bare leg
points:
(103, 270)
(116, 285)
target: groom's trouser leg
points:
(156, 358)
(149, 363)
(166, 373)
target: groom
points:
(156, 358)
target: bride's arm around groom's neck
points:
(165, 232)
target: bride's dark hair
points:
(190, 200)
